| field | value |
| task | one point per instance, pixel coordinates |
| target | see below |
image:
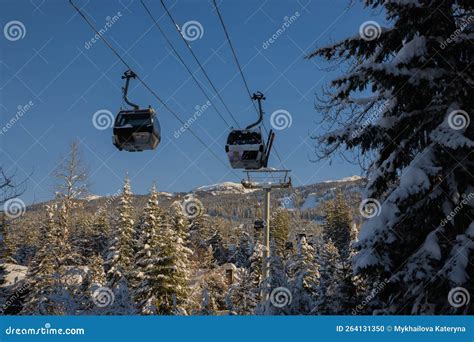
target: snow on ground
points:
(14, 274)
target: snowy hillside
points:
(345, 179)
(224, 188)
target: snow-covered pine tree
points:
(96, 275)
(100, 232)
(172, 264)
(49, 292)
(338, 224)
(200, 231)
(147, 271)
(179, 221)
(406, 99)
(244, 251)
(207, 260)
(220, 251)
(120, 254)
(303, 272)
(93, 282)
(272, 286)
(213, 285)
(244, 296)
(280, 231)
(82, 237)
(327, 259)
(338, 228)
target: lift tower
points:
(266, 179)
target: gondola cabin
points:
(136, 130)
(246, 149)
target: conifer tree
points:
(120, 254)
(338, 224)
(50, 294)
(280, 231)
(146, 269)
(303, 271)
(213, 285)
(179, 221)
(244, 296)
(100, 232)
(82, 238)
(171, 262)
(327, 258)
(244, 251)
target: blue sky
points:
(67, 83)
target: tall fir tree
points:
(280, 231)
(245, 296)
(172, 267)
(120, 255)
(338, 224)
(100, 232)
(244, 251)
(146, 268)
(303, 271)
(49, 290)
(327, 259)
(406, 99)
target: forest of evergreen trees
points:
(171, 260)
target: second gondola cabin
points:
(246, 148)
